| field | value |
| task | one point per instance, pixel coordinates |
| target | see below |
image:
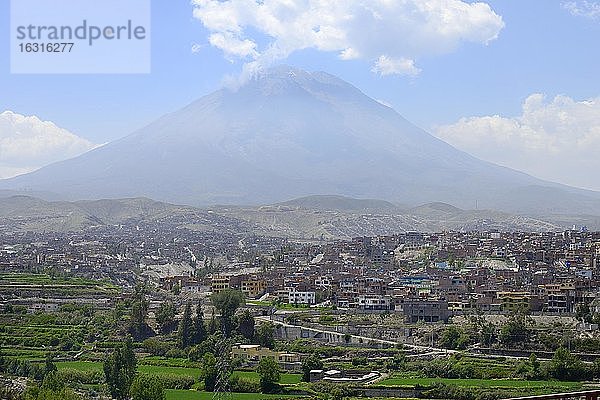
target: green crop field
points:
(488, 383)
(286, 379)
(194, 395)
(147, 369)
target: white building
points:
(298, 297)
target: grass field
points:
(160, 370)
(488, 383)
(194, 395)
(286, 379)
(147, 369)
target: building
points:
(374, 302)
(251, 354)
(301, 297)
(219, 283)
(416, 310)
(253, 287)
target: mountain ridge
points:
(317, 222)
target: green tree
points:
(200, 333)
(565, 366)
(49, 366)
(147, 387)
(487, 334)
(227, 302)
(208, 372)
(52, 388)
(584, 313)
(120, 369)
(268, 370)
(308, 364)
(246, 325)
(515, 330)
(139, 311)
(454, 337)
(212, 325)
(533, 368)
(265, 335)
(184, 333)
(396, 363)
(165, 316)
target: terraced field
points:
(487, 383)
(194, 395)
(162, 370)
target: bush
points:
(243, 385)
(175, 353)
(156, 346)
(173, 381)
(71, 375)
(147, 387)
(357, 361)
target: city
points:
(393, 315)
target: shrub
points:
(243, 385)
(173, 381)
(71, 375)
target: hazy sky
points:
(513, 82)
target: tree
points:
(565, 366)
(119, 370)
(184, 333)
(165, 316)
(454, 338)
(49, 366)
(265, 335)
(208, 372)
(487, 334)
(396, 363)
(584, 313)
(52, 388)
(212, 325)
(308, 364)
(515, 330)
(246, 325)
(268, 370)
(227, 302)
(139, 311)
(147, 387)
(533, 368)
(199, 328)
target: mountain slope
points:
(317, 218)
(288, 133)
(339, 203)
(24, 213)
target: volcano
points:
(289, 133)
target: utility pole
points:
(222, 390)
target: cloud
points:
(585, 8)
(27, 143)
(388, 66)
(390, 34)
(557, 140)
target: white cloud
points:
(391, 34)
(27, 143)
(557, 140)
(585, 8)
(388, 66)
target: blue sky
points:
(545, 47)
